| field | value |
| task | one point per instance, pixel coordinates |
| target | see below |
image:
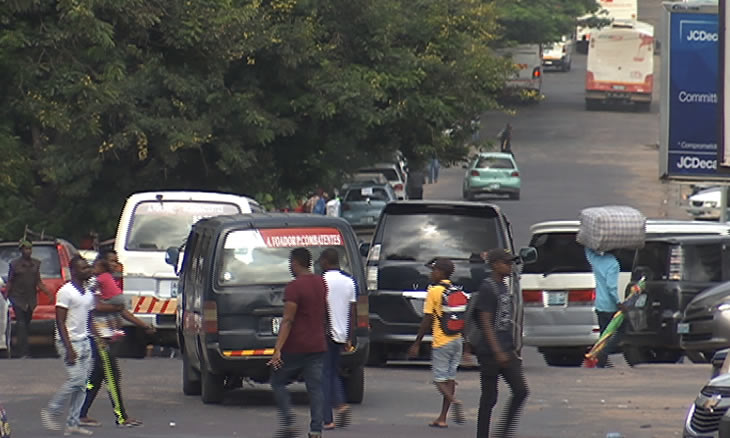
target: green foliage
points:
(541, 21)
(271, 98)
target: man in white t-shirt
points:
(74, 303)
(341, 313)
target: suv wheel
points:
(666, 356)
(355, 385)
(698, 356)
(211, 385)
(378, 356)
(564, 357)
(190, 377)
(636, 355)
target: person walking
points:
(446, 350)
(341, 313)
(495, 315)
(106, 318)
(300, 346)
(433, 174)
(606, 271)
(24, 280)
(505, 139)
(73, 305)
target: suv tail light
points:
(210, 317)
(536, 73)
(363, 313)
(582, 297)
(515, 173)
(398, 187)
(474, 173)
(676, 257)
(532, 298)
(372, 273)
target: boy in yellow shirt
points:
(446, 350)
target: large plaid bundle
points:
(611, 227)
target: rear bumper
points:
(710, 333)
(394, 334)
(617, 96)
(560, 327)
(554, 62)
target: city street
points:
(569, 159)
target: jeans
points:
(604, 318)
(309, 366)
(515, 378)
(105, 369)
(23, 316)
(334, 394)
(74, 389)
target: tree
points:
(541, 21)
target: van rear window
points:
(262, 256)
(560, 253)
(158, 225)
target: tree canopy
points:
(270, 98)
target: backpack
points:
(453, 309)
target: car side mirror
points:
(171, 256)
(364, 249)
(528, 255)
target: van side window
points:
(201, 253)
(188, 267)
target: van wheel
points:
(666, 356)
(591, 105)
(698, 356)
(134, 344)
(211, 386)
(378, 356)
(355, 386)
(190, 377)
(564, 357)
(515, 196)
(643, 107)
(636, 355)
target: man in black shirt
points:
(496, 352)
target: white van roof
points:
(653, 226)
(169, 195)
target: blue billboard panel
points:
(693, 99)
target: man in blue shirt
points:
(606, 271)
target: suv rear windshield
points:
(389, 174)
(494, 163)
(157, 226)
(47, 254)
(560, 253)
(252, 257)
(453, 234)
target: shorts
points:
(445, 360)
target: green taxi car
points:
(492, 173)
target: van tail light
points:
(515, 173)
(532, 298)
(363, 312)
(536, 73)
(398, 187)
(676, 257)
(372, 266)
(582, 297)
(210, 317)
(474, 173)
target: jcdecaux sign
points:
(690, 96)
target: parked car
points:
(559, 290)
(705, 204)
(709, 412)
(677, 269)
(492, 173)
(232, 281)
(395, 173)
(54, 256)
(705, 327)
(410, 234)
(558, 55)
(362, 203)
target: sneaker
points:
(49, 420)
(70, 430)
(89, 423)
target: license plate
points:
(682, 328)
(369, 219)
(641, 301)
(556, 298)
(619, 87)
(493, 186)
(275, 325)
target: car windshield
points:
(262, 256)
(364, 193)
(47, 254)
(389, 174)
(157, 226)
(560, 253)
(423, 236)
(494, 163)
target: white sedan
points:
(705, 204)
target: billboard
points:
(724, 91)
(689, 98)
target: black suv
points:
(231, 287)
(410, 234)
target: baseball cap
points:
(24, 243)
(500, 255)
(442, 264)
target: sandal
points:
(329, 426)
(438, 425)
(89, 422)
